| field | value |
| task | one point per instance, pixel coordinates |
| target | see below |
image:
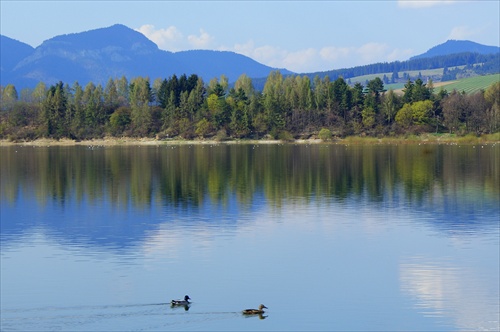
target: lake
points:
(327, 236)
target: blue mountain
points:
(97, 55)
(457, 46)
(11, 51)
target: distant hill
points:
(11, 51)
(213, 63)
(111, 52)
(464, 64)
(457, 46)
(117, 51)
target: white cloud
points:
(399, 55)
(170, 39)
(245, 49)
(462, 32)
(372, 52)
(301, 58)
(203, 40)
(299, 61)
(332, 53)
(423, 3)
(268, 55)
(323, 59)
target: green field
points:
(413, 73)
(469, 85)
(472, 84)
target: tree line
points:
(287, 108)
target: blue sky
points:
(302, 36)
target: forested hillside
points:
(287, 108)
(454, 65)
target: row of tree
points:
(287, 107)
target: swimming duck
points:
(259, 311)
(181, 302)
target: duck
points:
(181, 302)
(259, 311)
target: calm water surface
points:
(328, 237)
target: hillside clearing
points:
(471, 84)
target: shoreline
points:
(351, 140)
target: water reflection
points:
(180, 306)
(185, 176)
(360, 231)
(451, 181)
(442, 289)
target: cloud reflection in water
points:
(443, 289)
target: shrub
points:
(325, 134)
(285, 136)
(203, 128)
(221, 135)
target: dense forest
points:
(287, 108)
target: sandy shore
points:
(136, 141)
(113, 141)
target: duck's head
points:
(262, 307)
(186, 298)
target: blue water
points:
(87, 261)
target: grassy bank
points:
(426, 139)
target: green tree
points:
(140, 99)
(8, 96)
(422, 111)
(368, 117)
(492, 96)
(274, 94)
(408, 92)
(244, 83)
(120, 120)
(39, 93)
(203, 128)
(53, 112)
(196, 98)
(123, 89)
(343, 98)
(404, 117)
(95, 115)
(372, 99)
(111, 101)
(390, 106)
(420, 92)
(219, 110)
(78, 107)
(240, 122)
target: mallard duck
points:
(181, 302)
(259, 311)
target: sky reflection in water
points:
(346, 246)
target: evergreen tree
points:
(53, 112)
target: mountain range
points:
(113, 52)
(116, 51)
